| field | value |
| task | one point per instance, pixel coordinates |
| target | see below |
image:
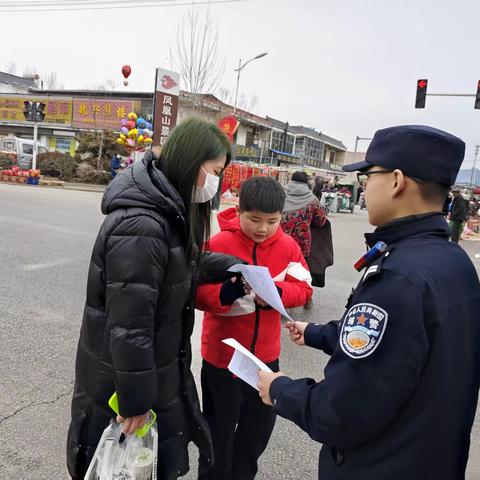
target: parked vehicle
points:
(347, 196)
(23, 149)
(329, 202)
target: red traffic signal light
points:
(477, 98)
(421, 93)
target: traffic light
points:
(477, 98)
(421, 93)
(39, 111)
(34, 111)
(28, 111)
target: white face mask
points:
(208, 191)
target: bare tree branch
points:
(50, 81)
(195, 53)
(245, 103)
(12, 68)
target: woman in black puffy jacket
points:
(139, 313)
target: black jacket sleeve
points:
(459, 210)
(136, 257)
(322, 337)
(359, 397)
(214, 267)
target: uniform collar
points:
(428, 224)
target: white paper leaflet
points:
(244, 364)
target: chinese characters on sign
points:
(100, 113)
(166, 105)
(58, 110)
(251, 152)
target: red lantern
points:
(126, 71)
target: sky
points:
(345, 67)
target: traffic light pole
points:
(35, 138)
(450, 95)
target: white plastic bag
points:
(134, 458)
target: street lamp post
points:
(357, 139)
(238, 70)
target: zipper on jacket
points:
(257, 308)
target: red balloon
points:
(126, 71)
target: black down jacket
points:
(137, 323)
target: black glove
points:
(214, 267)
(230, 291)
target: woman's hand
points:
(132, 424)
(297, 330)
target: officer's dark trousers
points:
(240, 423)
(456, 230)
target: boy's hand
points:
(132, 424)
(297, 329)
(265, 379)
(260, 301)
(232, 289)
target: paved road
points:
(46, 237)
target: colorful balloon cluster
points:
(136, 133)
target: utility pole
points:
(477, 147)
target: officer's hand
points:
(264, 382)
(132, 424)
(297, 330)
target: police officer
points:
(400, 389)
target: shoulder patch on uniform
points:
(362, 330)
(373, 270)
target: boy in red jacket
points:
(240, 423)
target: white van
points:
(23, 148)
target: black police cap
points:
(418, 151)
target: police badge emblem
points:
(362, 329)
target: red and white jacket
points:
(256, 329)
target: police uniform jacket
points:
(400, 390)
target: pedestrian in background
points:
(139, 312)
(318, 188)
(400, 390)
(458, 215)
(301, 215)
(115, 165)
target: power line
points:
(119, 4)
(53, 3)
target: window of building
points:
(277, 141)
(63, 145)
(299, 144)
(249, 139)
(332, 156)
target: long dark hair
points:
(193, 142)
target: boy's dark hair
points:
(301, 177)
(433, 192)
(264, 194)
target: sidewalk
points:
(84, 187)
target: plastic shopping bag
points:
(121, 457)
